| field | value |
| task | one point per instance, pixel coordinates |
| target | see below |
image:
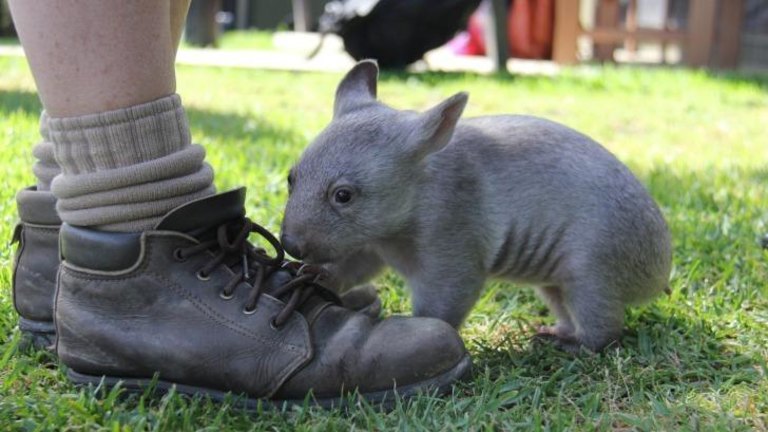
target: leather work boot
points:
(35, 265)
(195, 303)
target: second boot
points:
(35, 265)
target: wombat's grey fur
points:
(448, 203)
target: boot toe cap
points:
(371, 356)
(413, 349)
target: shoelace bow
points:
(256, 267)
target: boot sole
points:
(37, 334)
(439, 385)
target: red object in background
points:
(529, 30)
(475, 28)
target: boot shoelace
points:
(256, 266)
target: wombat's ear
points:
(357, 88)
(437, 124)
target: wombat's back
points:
(563, 199)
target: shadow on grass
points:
(756, 79)
(664, 361)
(24, 101)
(761, 176)
(231, 127)
(221, 125)
(9, 41)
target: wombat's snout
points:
(292, 246)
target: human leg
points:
(97, 57)
(84, 62)
(107, 81)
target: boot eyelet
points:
(226, 296)
(178, 255)
(273, 324)
(202, 276)
(249, 311)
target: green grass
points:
(695, 360)
(246, 39)
(241, 40)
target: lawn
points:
(696, 359)
(233, 40)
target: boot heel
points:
(36, 335)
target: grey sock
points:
(45, 167)
(123, 170)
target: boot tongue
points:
(199, 217)
(205, 213)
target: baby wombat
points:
(449, 203)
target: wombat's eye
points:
(342, 195)
(290, 182)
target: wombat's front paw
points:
(364, 299)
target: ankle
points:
(123, 170)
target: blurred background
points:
(477, 35)
(474, 35)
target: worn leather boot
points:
(35, 265)
(195, 303)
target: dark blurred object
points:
(756, 16)
(6, 25)
(764, 242)
(395, 32)
(202, 29)
(528, 23)
(754, 39)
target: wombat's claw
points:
(555, 336)
(543, 338)
(546, 334)
(546, 331)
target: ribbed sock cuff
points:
(45, 167)
(123, 170)
(120, 138)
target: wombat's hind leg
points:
(597, 316)
(563, 328)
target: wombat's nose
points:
(292, 246)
